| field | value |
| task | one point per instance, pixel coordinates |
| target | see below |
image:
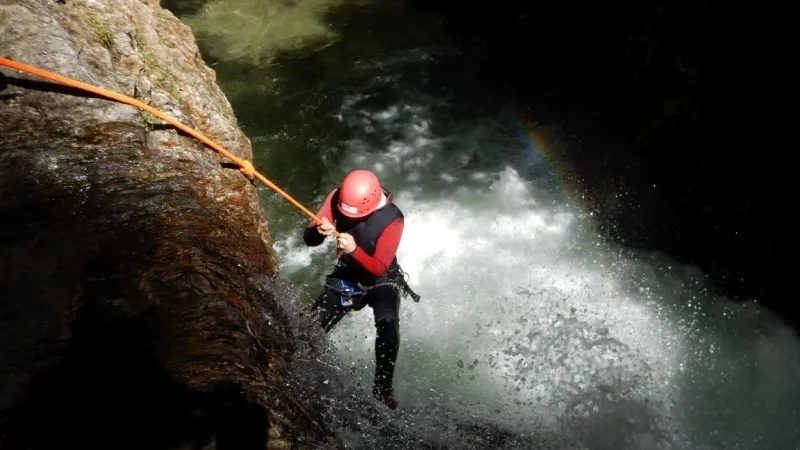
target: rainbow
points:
(543, 145)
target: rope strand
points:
(246, 167)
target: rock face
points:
(139, 300)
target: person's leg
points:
(326, 309)
(385, 302)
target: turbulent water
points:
(529, 322)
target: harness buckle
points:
(346, 292)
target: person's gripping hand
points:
(346, 243)
(326, 228)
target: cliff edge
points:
(139, 299)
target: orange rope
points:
(246, 167)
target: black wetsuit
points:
(382, 293)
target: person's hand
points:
(326, 228)
(346, 243)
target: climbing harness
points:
(348, 293)
(246, 167)
(406, 288)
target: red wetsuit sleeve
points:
(311, 236)
(385, 249)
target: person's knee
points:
(387, 319)
(386, 307)
(387, 323)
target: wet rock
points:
(138, 296)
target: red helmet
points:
(359, 194)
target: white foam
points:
(525, 319)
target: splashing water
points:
(530, 322)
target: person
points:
(369, 226)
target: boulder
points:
(139, 298)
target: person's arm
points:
(311, 236)
(385, 249)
